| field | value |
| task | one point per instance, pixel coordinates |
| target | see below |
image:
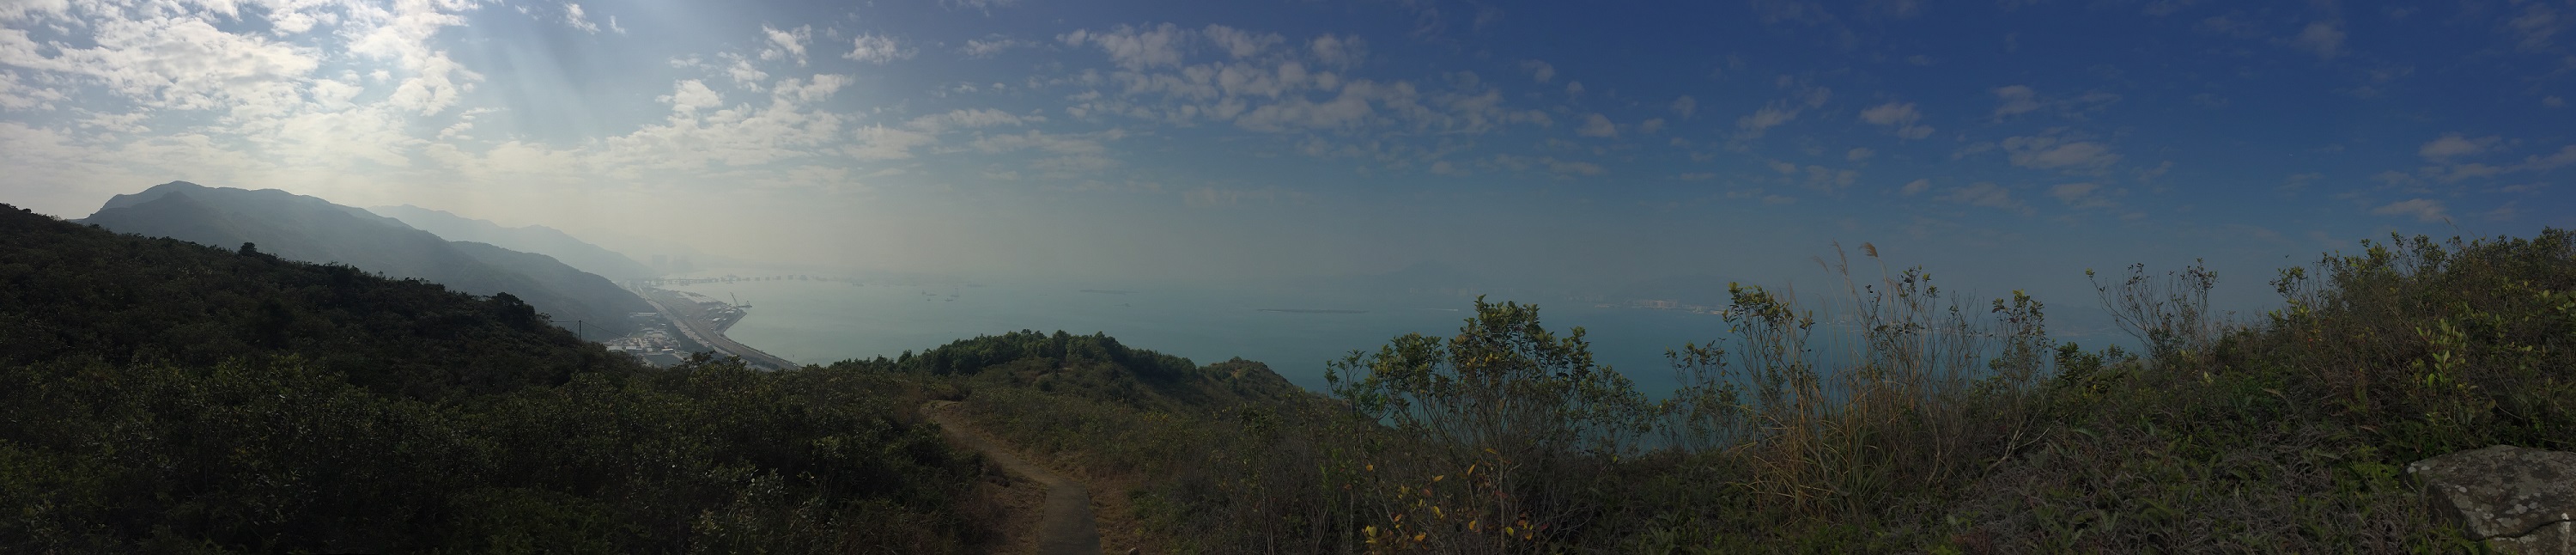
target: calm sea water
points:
(825, 321)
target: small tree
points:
(1525, 414)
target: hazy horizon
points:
(2004, 146)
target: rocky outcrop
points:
(2517, 499)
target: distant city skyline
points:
(2009, 144)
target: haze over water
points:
(820, 322)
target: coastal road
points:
(695, 324)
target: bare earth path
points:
(1065, 525)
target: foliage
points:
(161, 396)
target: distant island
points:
(1107, 291)
(1312, 311)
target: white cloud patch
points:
(573, 17)
(2051, 153)
(14, 10)
(2080, 195)
(1597, 125)
(1239, 43)
(2015, 100)
(786, 44)
(1338, 51)
(877, 49)
(1859, 154)
(2323, 38)
(15, 95)
(1988, 195)
(990, 46)
(1775, 115)
(1539, 71)
(180, 63)
(2535, 26)
(2424, 210)
(2453, 145)
(2566, 155)
(1898, 115)
(1685, 106)
(1134, 49)
(691, 95)
(966, 119)
(1915, 187)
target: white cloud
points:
(13, 10)
(1135, 49)
(965, 119)
(2051, 153)
(1685, 106)
(1339, 52)
(691, 96)
(1539, 71)
(2565, 155)
(1753, 125)
(181, 63)
(1651, 125)
(1597, 125)
(2535, 26)
(786, 44)
(1239, 43)
(1916, 187)
(2016, 99)
(20, 96)
(2079, 195)
(989, 46)
(574, 18)
(2324, 38)
(1987, 195)
(2553, 102)
(1859, 154)
(2452, 145)
(877, 142)
(1573, 88)
(2424, 210)
(877, 49)
(1829, 180)
(985, 6)
(1899, 115)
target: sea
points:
(820, 322)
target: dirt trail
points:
(1065, 525)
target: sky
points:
(2011, 144)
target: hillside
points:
(310, 229)
(163, 396)
(530, 239)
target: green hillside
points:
(310, 229)
(162, 396)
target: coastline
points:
(706, 328)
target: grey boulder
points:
(2517, 499)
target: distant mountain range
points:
(535, 239)
(298, 227)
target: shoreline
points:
(696, 324)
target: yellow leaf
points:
(1418, 536)
(1437, 479)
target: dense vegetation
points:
(161, 396)
(1935, 426)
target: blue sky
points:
(2012, 143)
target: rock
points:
(2519, 500)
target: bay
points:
(820, 322)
